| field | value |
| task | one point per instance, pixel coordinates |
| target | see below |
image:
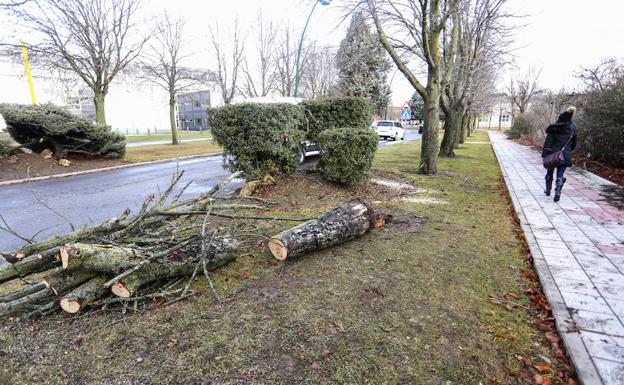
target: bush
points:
(347, 154)
(521, 126)
(259, 139)
(48, 126)
(323, 114)
(601, 124)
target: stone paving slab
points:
(578, 248)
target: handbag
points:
(556, 159)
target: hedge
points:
(347, 154)
(49, 126)
(323, 114)
(258, 139)
(601, 124)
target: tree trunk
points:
(172, 121)
(464, 127)
(100, 114)
(451, 126)
(341, 224)
(429, 146)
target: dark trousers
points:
(560, 172)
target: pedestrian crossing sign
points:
(406, 114)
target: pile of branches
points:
(157, 253)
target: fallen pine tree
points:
(157, 253)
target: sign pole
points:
(31, 86)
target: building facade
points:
(499, 114)
(81, 104)
(192, 110)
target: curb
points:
(68, 174)
(575, 348)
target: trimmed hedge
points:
(347, 154)
(48, 126)
(323, 114)
(259, 139)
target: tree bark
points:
(172, 121)
(339, 225)
(98, 100)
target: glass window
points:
(384, 124)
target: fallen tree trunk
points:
(339, 225)
(152, 272)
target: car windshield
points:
(384, 124)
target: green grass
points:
(168, 151)
(167, 136)
(393, 307)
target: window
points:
(397, 124)
(196, 104)
(505, 118)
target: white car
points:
(387, 129)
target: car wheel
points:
(301, 155)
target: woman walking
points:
(558, 146)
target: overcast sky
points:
(559, 36)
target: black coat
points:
(557, 135)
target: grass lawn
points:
(408, 304)
(167, 136)
(167, 151)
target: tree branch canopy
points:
(95, 39)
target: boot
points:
(558, 186)
(549, 180)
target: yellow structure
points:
(31, 86)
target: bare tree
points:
(163, 65)
(261, 79)
(229, 60)
(523, 87)
(285, 61)
(320, 77)
(95, 39)
(603, 75)
(482, 43)
(412, 30)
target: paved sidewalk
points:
(578, 248)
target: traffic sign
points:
(406, 114)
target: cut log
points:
(84, 295)
(43, 261)
(339, 225)
(57, 283)
(105, 259)
(152, 272)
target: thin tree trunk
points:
(100, 114)
(451, 127)
(172, 121)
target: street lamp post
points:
(297, 70)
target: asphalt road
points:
(93, 198)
